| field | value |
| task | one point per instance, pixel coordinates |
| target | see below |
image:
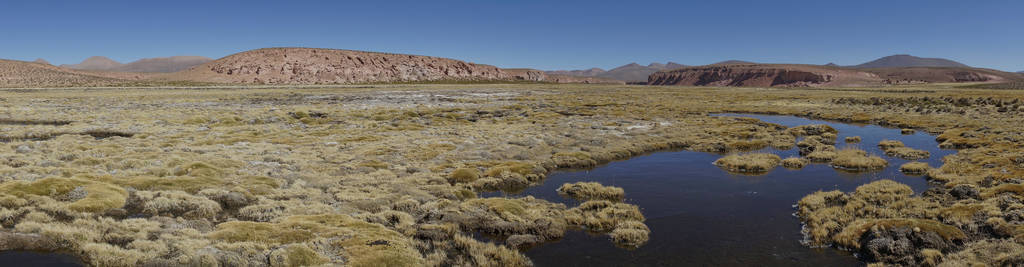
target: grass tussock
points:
(889, 144)
(914, 168)
(464, 175)
(630, 234)
(907, 153)
(76, 194)
(622, 221)
(591, 191)
(895, 148)
(852, 139)
(795, 162)
(749, 163)
(857, 160)
(365, 244)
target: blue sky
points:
(536, 34)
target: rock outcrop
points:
(332, 66)
(761, 75)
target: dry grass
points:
(852, 139)
(795, 163)
(857, 160)
(749, 163)
(907, 153)
(914, 168)
(592, 191)
(329, 175)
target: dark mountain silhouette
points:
(733, 62)
(900, 61)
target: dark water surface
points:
(33, 258)
(701, 215)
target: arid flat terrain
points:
(393, 174)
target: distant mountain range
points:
(164, 64)
(733, 62)
(302, 66)
(637, 73)
(901, 61)
(631, 72)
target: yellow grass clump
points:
(749, 163)
(795, 162)
(857, 160)
(592, 191)
(915, 168)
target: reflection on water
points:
(32, 258)
(702, 215)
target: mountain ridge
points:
(632, 72)
(150, 65)
(905, 60)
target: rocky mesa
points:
(333, 66)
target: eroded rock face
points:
(327, 66)
(742, 75)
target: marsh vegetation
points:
(400, 174)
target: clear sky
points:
(537, 34)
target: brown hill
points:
(332, 66)
(162, 64)
(899, 61)
(542, 76)
(153, 65)
(41, 61)
(30, 74)
(94, 63)
(763, 75)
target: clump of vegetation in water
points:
(895, 148)
(623, 221)
(749, 163)
(914, 168)
(857, 160)
(795, 162)
(852, 139)
(591, 191)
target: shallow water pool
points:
(33, 258)
(702, 215)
